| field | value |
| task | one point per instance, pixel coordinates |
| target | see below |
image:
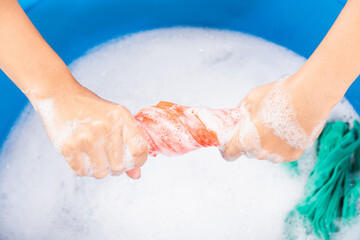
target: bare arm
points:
(94, 135)
(25, 57)
(335, 64)
(285, 117)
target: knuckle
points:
(69, 146)
(118, 166)
(78, 170)
(139, 146)
(231, 152)
(262, 156)
(123, 110)
(142, 149)
(67, 151)
(139, 151)
(81, 173)
(116, 174)
(297, 155)
(117, 169)
(72, 165)
(230, 156)
(140, 160)
(84, 138)
(115, 114)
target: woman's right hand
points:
(97, 137)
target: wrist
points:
(322, 84)
(57, 86)
(311, 97)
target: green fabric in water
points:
(333, 188)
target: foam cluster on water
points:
(195, 196)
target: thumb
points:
(134, 173)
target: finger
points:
(114, 152)
(233, 149)
(135, 145)
(134, 173)
(98, 161)
(263, 155)
(82, 165)
(77, 162)
(295, 156)
(116, 174)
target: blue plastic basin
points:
(72, 27)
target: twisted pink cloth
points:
(174, 130)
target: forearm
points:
(25, 56)
(336, 62)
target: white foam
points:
(128, 159)
(195, 196)
(58, 134)
(277, 113)
(216, 123)
(249, 139)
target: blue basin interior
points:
(73, 27)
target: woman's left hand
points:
(281, 120)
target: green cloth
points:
(333, 189)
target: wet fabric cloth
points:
(333, 188)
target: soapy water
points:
(194, 196)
